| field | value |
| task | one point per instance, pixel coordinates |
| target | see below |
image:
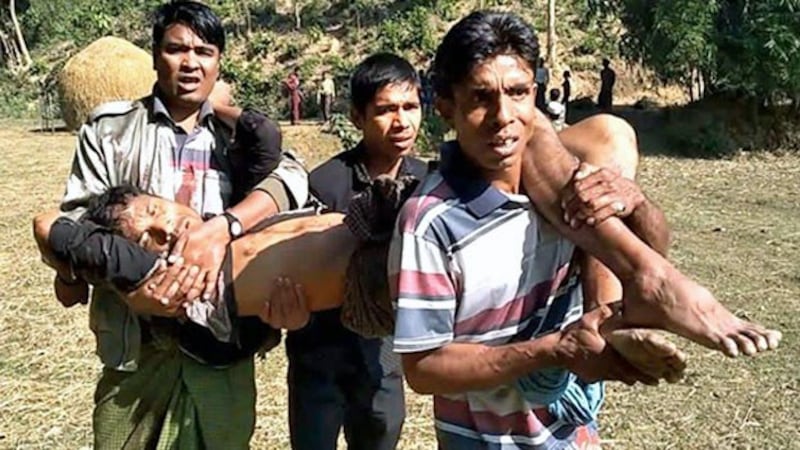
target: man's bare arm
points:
(598, 193)
(463, 367)
(656, 293)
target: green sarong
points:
(174, 402)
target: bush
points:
(703, 140)
(341, 127)
(18, 97)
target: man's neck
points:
(506, 180)
(377, 165)
(185, 118)
(184, 115)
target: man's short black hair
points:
(197, 16)
(476, 38)
(106, 209)
(376, 72)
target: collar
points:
(160, 109)
(480, 197)
(356, 158)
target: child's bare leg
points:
(645, 349)
(657, 295)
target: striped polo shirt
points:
(470, 263)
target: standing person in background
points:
(327, 92)
(566, 90)
(542, 80)
(292, 84)
(607, 80)
(338, 379)
(426, 92)
(556, 111)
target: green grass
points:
(737, 230)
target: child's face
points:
(156, 223)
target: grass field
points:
(737, 229)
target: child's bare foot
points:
(678, 304)
(650, 352)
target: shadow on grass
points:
(48, 130)
(714, 128)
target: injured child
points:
(339, 260)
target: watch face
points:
(236, 228)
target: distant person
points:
(566, 88)
(292, 84)
(607, 79)
(556, 111)
(426, 92)
(327, 93)
(542, 80)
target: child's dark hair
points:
(106, 209)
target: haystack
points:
(108, 69)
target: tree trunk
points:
(551, 33)
(20, 39)
(297, 22)
(10, 53)
(247, 19)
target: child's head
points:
(555, 94)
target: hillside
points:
(265, 43)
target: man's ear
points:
(356, 118)
(446, 108)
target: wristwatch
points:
(235, 228)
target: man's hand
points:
(71, 294)
(165, 292)
(595, 194)
(203, 246)
(583, 351)
(286, 307)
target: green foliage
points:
(341, 127)
(673, 37)
(432, 134)
(251, 88)
(260, 44)
(82, 21)
(762, 47)
(704, 140)
(18, 98)
(747, 47)
(411, 32)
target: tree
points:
(743, 46)
(551, 33)
(297, 7)
(24, 57)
